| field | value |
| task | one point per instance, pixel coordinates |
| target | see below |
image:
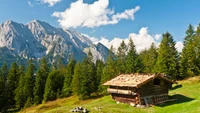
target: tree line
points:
(22, 87)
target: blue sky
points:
(158, 16)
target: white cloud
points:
(30, 4)
(142, 40)
(50, 2)
(179, 46)
(158, 36)
(92, 15)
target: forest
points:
(25, 86)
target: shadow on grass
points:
(180, 99)
(176, 87)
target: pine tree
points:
(84, 78)
(4, 71)
(88, 78)
(67, 88)
(188, 56)
(167, 61)
(29, 80)
(197, 50)
(3, 88)
(40, 82)
(99, 73)
(20, 96)
(53, 85)
(121, 57)
(133, 62)
(109, 70)
(149, 58)
(76, 78)
(13, 78)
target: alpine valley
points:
(37, 39)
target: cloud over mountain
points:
(142, 40)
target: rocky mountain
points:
(39, 39)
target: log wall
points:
(124, 98)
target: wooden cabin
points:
(140, 89)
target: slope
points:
(186, 91)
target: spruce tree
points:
(188, 55)
(167, 61)
(40, 82)
(29, 80)
(53, 85)
(3, 88)
(197, 50)
(133, 62)
(84, 78)
(109, 70)
(4, 71)
(20, 96)
(99, 73)
(121, 57)
(13, 78)
(76, 78)
(67, 88)
(88, 77)
(149, 58)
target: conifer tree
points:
(4, 71)
(121, 57)
(53, 85)
(197, 50)
(67, 88)
(3, 88)
(29, 80)
(20, 96)
(149, 58)
(99, 73)
(110, 69)
(76, 78)
(40, 82)
(88, 77)
(167, 61)
(84, 78)
(13, 78)
(133, 62)
(188, 56)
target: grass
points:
(187, 93)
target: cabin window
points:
(157, 82)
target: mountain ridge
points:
(39, 39)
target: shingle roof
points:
(134, 80)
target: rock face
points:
(39, 39)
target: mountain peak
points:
(37, 21)
(37, 39)
(9, 22)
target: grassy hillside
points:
(187, 92)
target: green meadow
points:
(187, 93)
